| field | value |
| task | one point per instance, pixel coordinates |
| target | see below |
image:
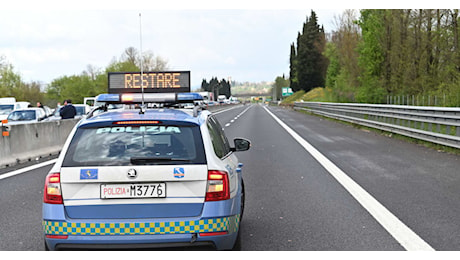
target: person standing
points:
(68, 110)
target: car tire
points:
(243, 199)
(237, 245)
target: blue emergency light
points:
(137, 98)
(188, 97)
(108, 98)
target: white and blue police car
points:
(141, 178)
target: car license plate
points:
(138, 190)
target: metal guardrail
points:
(438, 125)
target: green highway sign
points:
(286, 92)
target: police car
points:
(141, 178)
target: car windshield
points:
(22, 115)
(136, 145)
(6, 109)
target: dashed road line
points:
(236, 117)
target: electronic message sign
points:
(152, 82)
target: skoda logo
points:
(132, 174)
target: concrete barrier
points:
(31, 141)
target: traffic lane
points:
(417, 184)
(292, 203)
(228, 116)
(21, 199)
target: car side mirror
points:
(241, 144)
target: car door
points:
(223, 152)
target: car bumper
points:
(224, 242)
(217, 219)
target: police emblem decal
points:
(179, 172)
(88, 174)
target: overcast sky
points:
(48, 39)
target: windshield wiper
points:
(146, 160)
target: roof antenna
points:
(142, 64)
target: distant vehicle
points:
(221, 99)
(8, 104)
(188, 105)
(26, 116)
(82, 110)
(90, 101)
(234, 100)
(207, 96)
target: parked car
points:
(26, 116)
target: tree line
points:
(374, 54)
(217, 87)
(12, 85)
(89, 83)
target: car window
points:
(6, 109)
(22, 115)
(130, 145)
(218, 138)
(80, 110)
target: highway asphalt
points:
(294, 201)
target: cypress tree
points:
(205, 85)
(311, 64)
(293, 70)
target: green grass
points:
(314, 95)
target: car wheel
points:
(237, 245)
(243, 198)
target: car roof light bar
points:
(136, 98)
(111, 98)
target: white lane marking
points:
(225, 110)
(403, 234)
(238, 116)
(30, 168)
